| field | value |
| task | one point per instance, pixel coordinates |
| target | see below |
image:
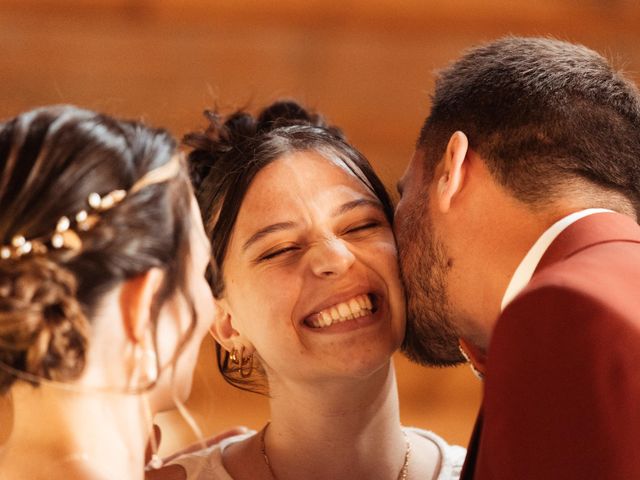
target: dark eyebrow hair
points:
(360, 202)
(276, 227)
(341, 210)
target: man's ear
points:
(451, 174)
(136, 300)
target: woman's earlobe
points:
(222, 328)
(224, 333)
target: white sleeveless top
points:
(206, 464)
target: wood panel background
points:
(367, 64)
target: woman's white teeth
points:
(356, 307)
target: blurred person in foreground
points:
(519, 243)
(103, 296)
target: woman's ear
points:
(451, 177)
(136, 301)
(222, 329)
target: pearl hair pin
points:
(65, 235)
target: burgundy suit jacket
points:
(562, 385)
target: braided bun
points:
(43, 330)
(87, 202)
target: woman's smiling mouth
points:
(356, 307)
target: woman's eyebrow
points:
(360, 202)
(275, 227)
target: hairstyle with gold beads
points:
(86, 202)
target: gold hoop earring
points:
(245, 364)
(233, 356)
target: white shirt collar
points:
(525, 270)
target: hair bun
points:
(219, 138)
(43, 330)
(285, 113)
(218, 145)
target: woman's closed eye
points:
(277, 252)
(363, 227)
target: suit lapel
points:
(589, 231)
(586, 232)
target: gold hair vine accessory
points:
(66, 235)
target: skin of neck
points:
(59, 434)
(349, 429)
(89, 428)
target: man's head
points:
(520, 128)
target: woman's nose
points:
(331, 257)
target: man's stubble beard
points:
(431, 337)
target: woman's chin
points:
(363, 364)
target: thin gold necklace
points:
(402, 475)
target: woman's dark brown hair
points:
(51, 160)
(229, 153)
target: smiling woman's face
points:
(311, 273)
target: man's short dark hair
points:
(542, 113)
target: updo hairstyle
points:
(52, 159)
(232, 150)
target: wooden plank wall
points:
(367, 64)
